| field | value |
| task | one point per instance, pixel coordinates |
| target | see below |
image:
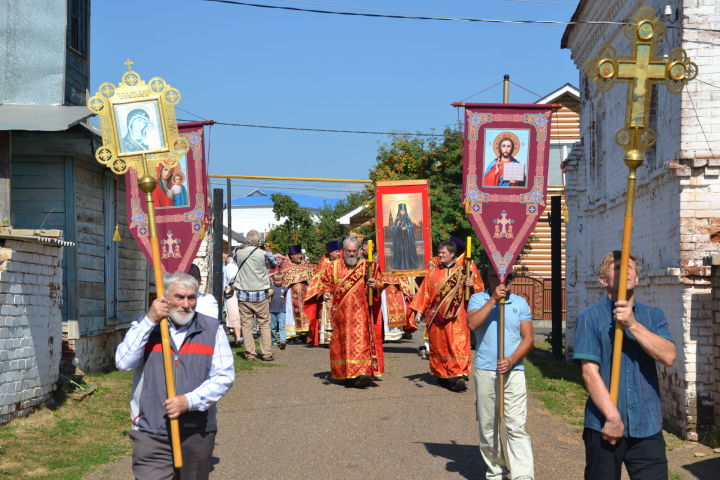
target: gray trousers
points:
(152, 456)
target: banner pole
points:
(369, 275)
(506, 88)
(501, 338)
(622, 281)
(147, 184)
(468, 259)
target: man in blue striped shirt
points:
(631, 432)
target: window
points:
(78, 25)
(558, 153)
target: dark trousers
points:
(152, 456)
(644, 458)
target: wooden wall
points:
(565, 130)
(56, 183)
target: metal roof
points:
(261, 198)
(41, 118)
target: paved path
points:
(291, 422)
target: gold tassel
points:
(117, 237)
(202, 231)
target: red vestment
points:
(441, 298)
(313, 306)
(297, 276)
(355, 348)
(160, 197)
(492, 177)
(397, 299)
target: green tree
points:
(441, 163)
(299, 226)
(297, 223)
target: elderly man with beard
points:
(355, 347)
(204, 373)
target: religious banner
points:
(181, 204)
(402, 210)
(505, 164)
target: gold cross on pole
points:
(641, 70)
(129, 63)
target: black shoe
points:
(363, 381)
(282, 345)
(458, 385)
(249, 357)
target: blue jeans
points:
(277, 327)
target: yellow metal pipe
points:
(302, 179)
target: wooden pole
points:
(624, 265)
(369, 275)
(500, 403)
(147, 185)
(468, 259)
(506, 88)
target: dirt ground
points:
(291, 422)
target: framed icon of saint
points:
(403, 229)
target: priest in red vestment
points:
(297, 273)
(316, 309)
(397, 317)
(441, 298)
(355, 348)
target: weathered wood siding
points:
(93, 248)
(57, 185)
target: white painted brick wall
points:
(31, 321)
(676, 223)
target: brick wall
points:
(676, 224)
(30, 324)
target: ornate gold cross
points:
(641, 70)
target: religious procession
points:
(518, 290)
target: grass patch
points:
(242, 365)
(67, 441)
(557, 384)
(672, 441)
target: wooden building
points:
(534, 263)
(52, 186)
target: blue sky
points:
(271, 67)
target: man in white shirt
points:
(206, 303)
(204, 372)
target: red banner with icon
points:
(505, 171)
(181, 205)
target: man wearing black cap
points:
(315, 308)
(297, 274)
